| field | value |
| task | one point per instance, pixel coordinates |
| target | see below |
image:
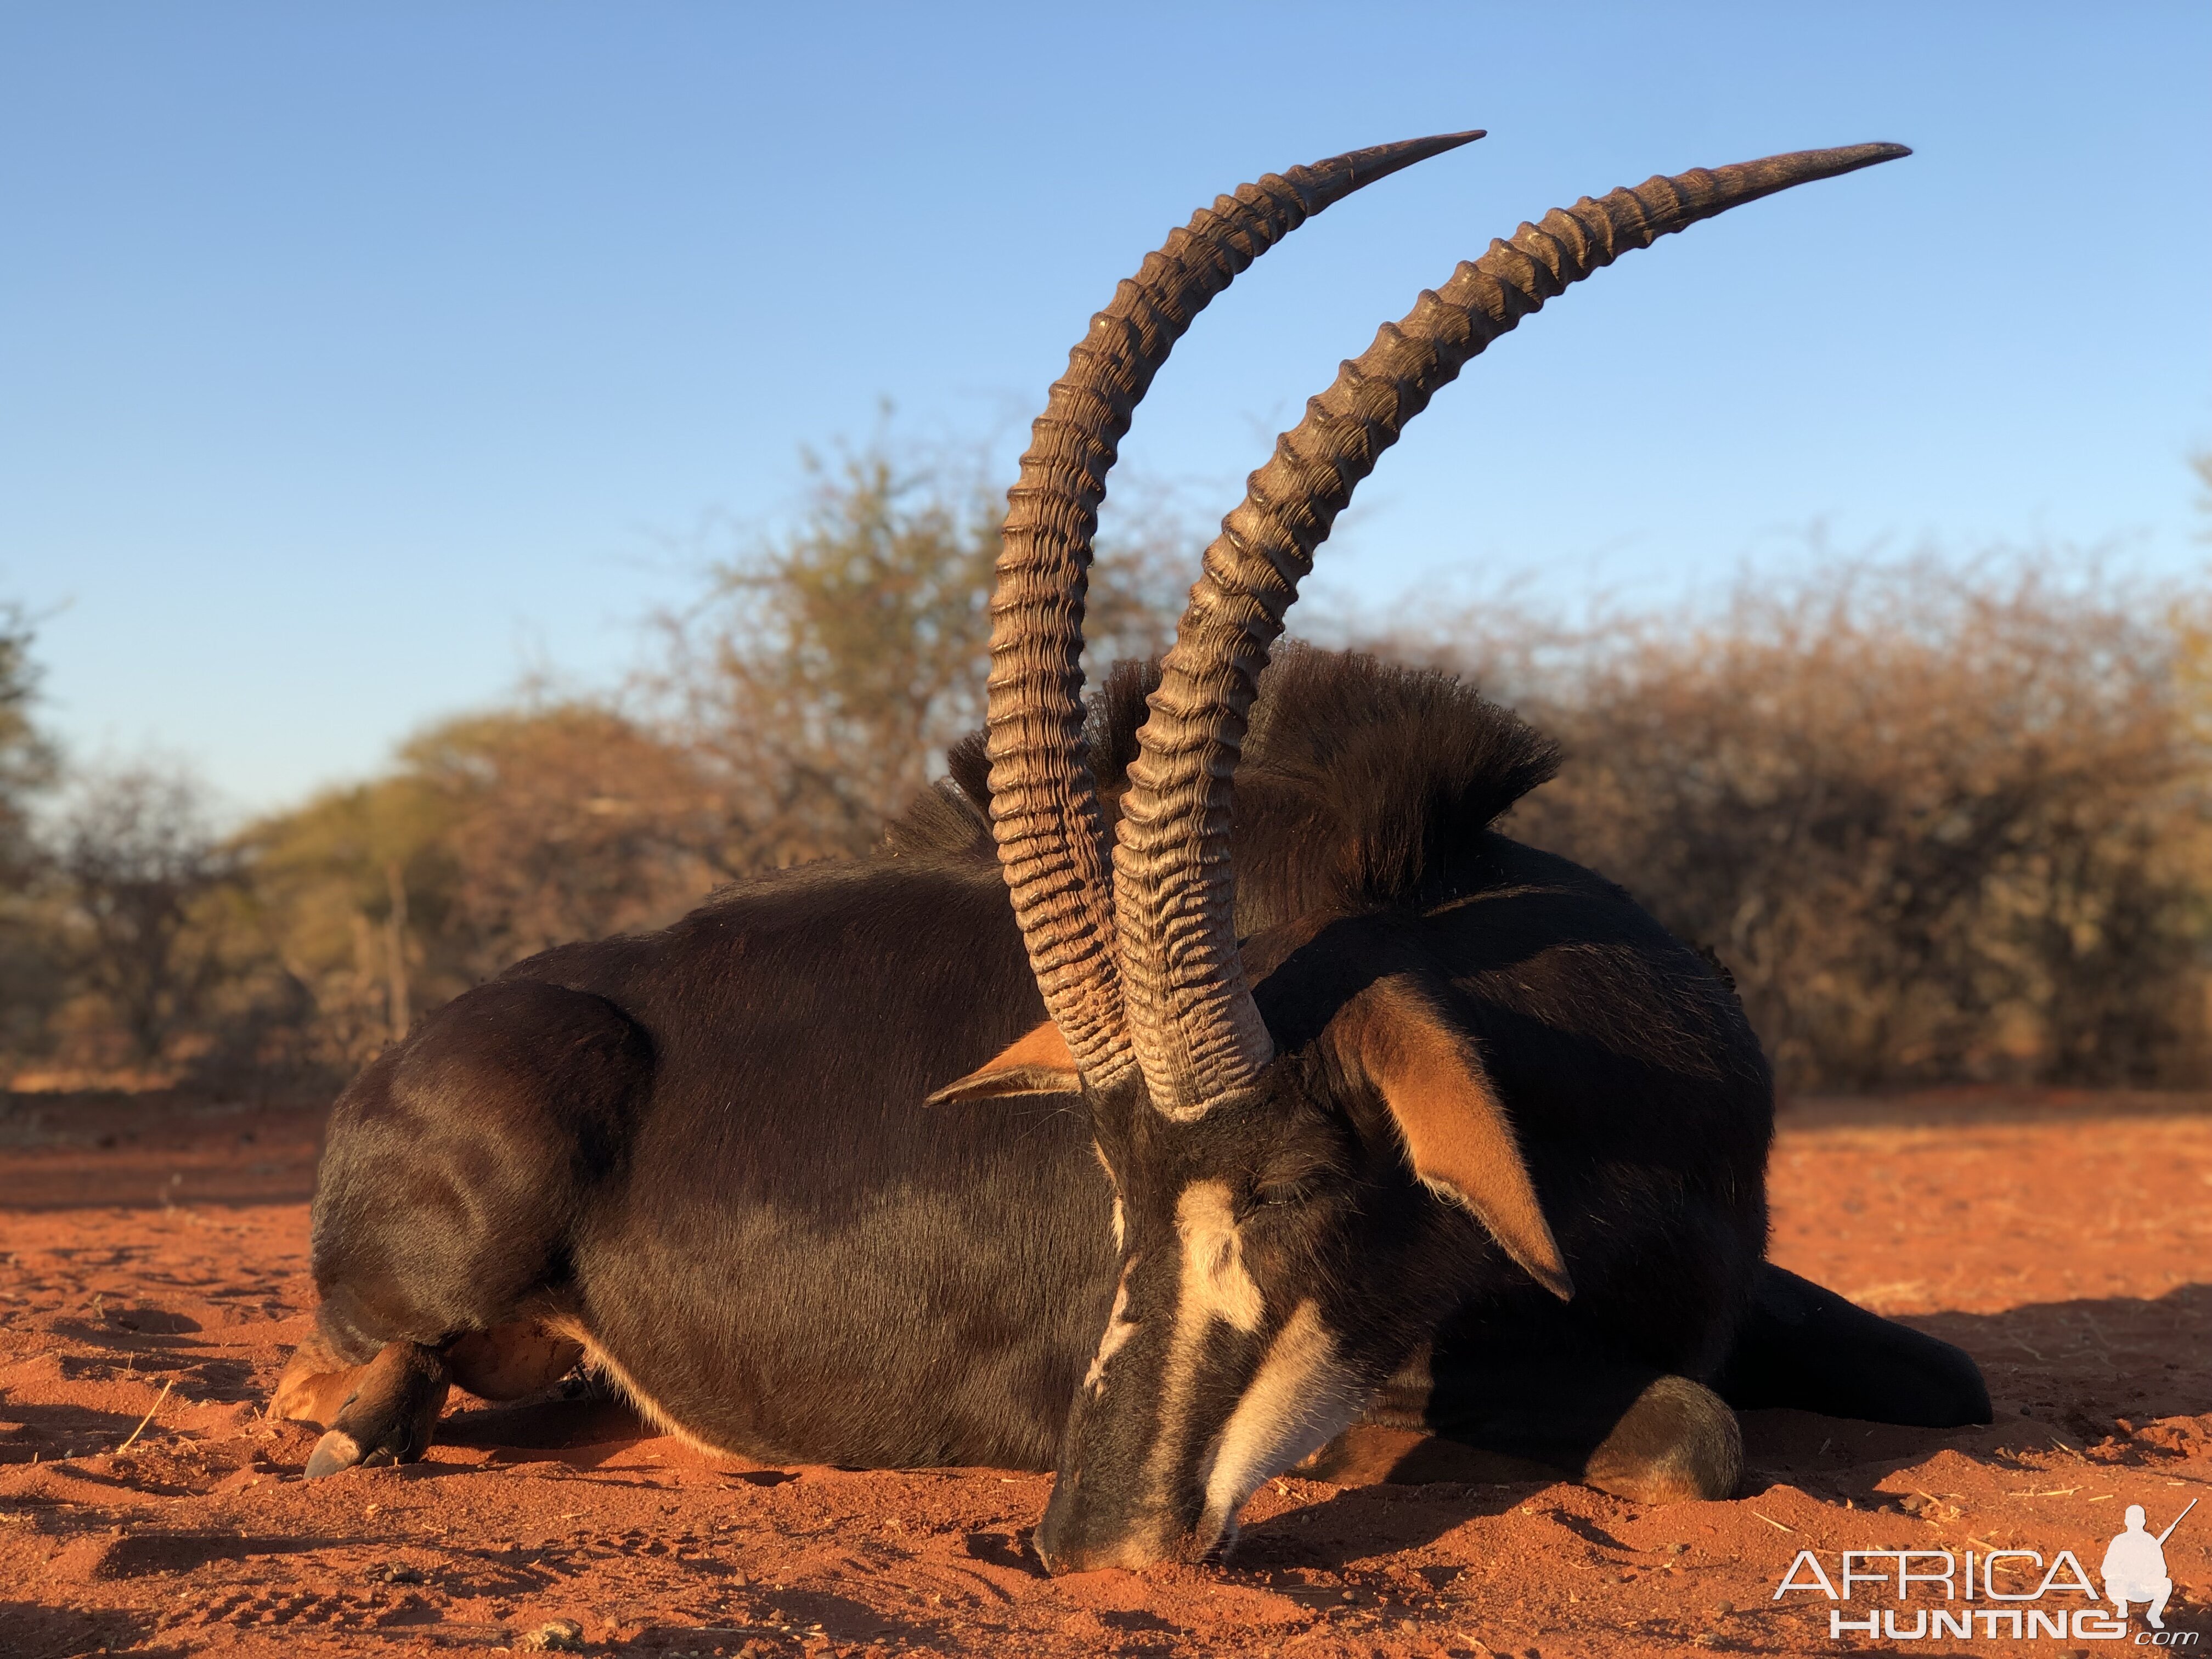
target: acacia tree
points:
(29, 977)
(564, 822)
(137, 861)
(27, 759)
(828, 668)
(1937, 824)
(495, 836)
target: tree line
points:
(1940, 823)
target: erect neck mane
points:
(1362, 782)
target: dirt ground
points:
(154, 1274)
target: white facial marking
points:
(1300, 1400)
(1215, 1283)
(1119, 1329)
(1215, 1286)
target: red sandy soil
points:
(153, 1259)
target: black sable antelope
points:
(1319, 1102)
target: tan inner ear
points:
(1457, 1135)
(1037, 1063)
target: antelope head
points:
(1308, 1161)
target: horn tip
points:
(1383, 159)
(1854, 156)
(1340, 175)
(1801, 167)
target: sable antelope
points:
(1317, 1099)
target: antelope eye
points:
(1285, 1195)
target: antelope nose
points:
(1128, 1554)
(1063, 1541)
(1069, 1540)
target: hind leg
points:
(508, 1362)
(318, 1379)
(513, 1361)
(1803, 1347)
(384, 1412)
(456, 1168)
(388, 1417)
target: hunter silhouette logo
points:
(2133, 1570)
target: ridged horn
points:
(1197, 1033)
(1044, 808)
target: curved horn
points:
(1197, 1033)
(1044, 808)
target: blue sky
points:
(356, 360)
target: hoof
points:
(335, 1451)
(390, 1414)
(1678, 1443)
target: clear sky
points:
(357, 359)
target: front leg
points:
(1631, 1431)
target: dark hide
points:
(704, 1151)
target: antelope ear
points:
(1038, 1064)
(1457, 1135)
